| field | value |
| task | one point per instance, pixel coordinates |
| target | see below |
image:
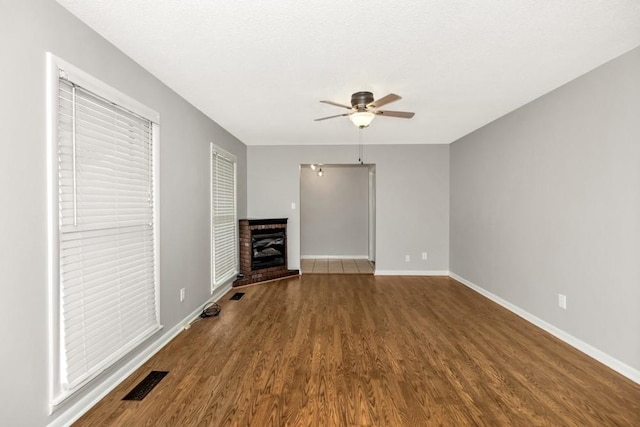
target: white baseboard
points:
(602, 357)
(219, 293)
(334, 256)
(71, 414)
(411, 273)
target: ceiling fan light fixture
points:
(361, 119)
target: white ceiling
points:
(259, 68)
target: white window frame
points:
(56, 68)
(215, 150)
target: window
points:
(103, 235)
(224, 220)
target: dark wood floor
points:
(356, 350)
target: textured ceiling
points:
(259, 68)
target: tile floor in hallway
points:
(336, 266)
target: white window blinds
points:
(224, 235)
(107, 260)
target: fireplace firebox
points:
(267, 249)
(263, 251)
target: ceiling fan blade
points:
(337, 104)
(392, 97)
(331, 117)
(401, 114)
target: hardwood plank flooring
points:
(361, 350)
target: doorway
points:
(337, 218)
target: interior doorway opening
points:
(337, 218)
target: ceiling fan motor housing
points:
(360, 100)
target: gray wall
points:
(412, 206)
(30, 29)
(546, 200)
(334, 211)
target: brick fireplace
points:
(263, 251)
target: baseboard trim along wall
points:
(334, 256)
(411, 273)
(602, 357)
(79, 408)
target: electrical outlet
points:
(424, 255)
(562, 301)
(407, 258)
(182, 294)
(293, 205)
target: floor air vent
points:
(140, 391)
(237, 295)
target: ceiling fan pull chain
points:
(360, 148)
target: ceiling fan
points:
(364, 108)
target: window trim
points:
(223, 153)
(56, 66)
